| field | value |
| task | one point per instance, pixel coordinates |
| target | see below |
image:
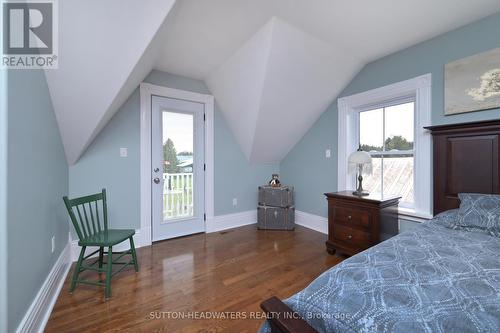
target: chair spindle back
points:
(86, 214)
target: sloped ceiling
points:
(204, 34)
(106, 48)
(239, 85)
(276, 85)
(273, 65)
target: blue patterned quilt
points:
(430, 279)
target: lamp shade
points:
(360, 157)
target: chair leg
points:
(108, 272)
(134, 255)
(77, 269)
(101, 256)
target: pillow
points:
(480, 211)
(447, 218)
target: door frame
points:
(147, 90)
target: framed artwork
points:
(472, 83)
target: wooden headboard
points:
(466, 159)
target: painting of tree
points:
(473, 83)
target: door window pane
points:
(178, 164)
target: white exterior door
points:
(178, 163)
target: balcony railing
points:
(177, 195)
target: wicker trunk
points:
(276, 209)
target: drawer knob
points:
(349, 237)
(349, 217)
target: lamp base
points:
(359, 191)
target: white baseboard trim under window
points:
(230, 221)
(39, 311)
(311, 221)
(411, 215)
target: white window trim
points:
(348, 132)
(148, 90)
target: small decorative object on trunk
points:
(275, 182)
(361, 162)
(276, 209)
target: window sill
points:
(412, 215)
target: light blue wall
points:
(37, 180)
(101, 166)
(234, 176)
(3, 201)
(306, 167)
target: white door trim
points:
(147, 90)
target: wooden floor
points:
(224, 272)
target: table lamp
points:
(361, 162)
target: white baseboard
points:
(39, 311)
(139, 241)
(311, 221)
(143, 237)
(230, 221)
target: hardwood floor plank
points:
(231, 271)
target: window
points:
(386, 133)
(389, 123)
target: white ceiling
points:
(308, 55)
(204, 34)
(273, 88)
(275, 65)
(106, 48)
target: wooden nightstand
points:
(354, 222)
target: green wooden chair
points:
(85, 214)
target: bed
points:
(438, 277)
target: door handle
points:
(156, 180)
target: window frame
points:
(419, 89)
(384, 153)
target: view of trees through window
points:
(387, 134)
(178, 177)
(171, 162)
(396, 142)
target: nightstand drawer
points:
(355, 223)
(350, 235)
(352, 217)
